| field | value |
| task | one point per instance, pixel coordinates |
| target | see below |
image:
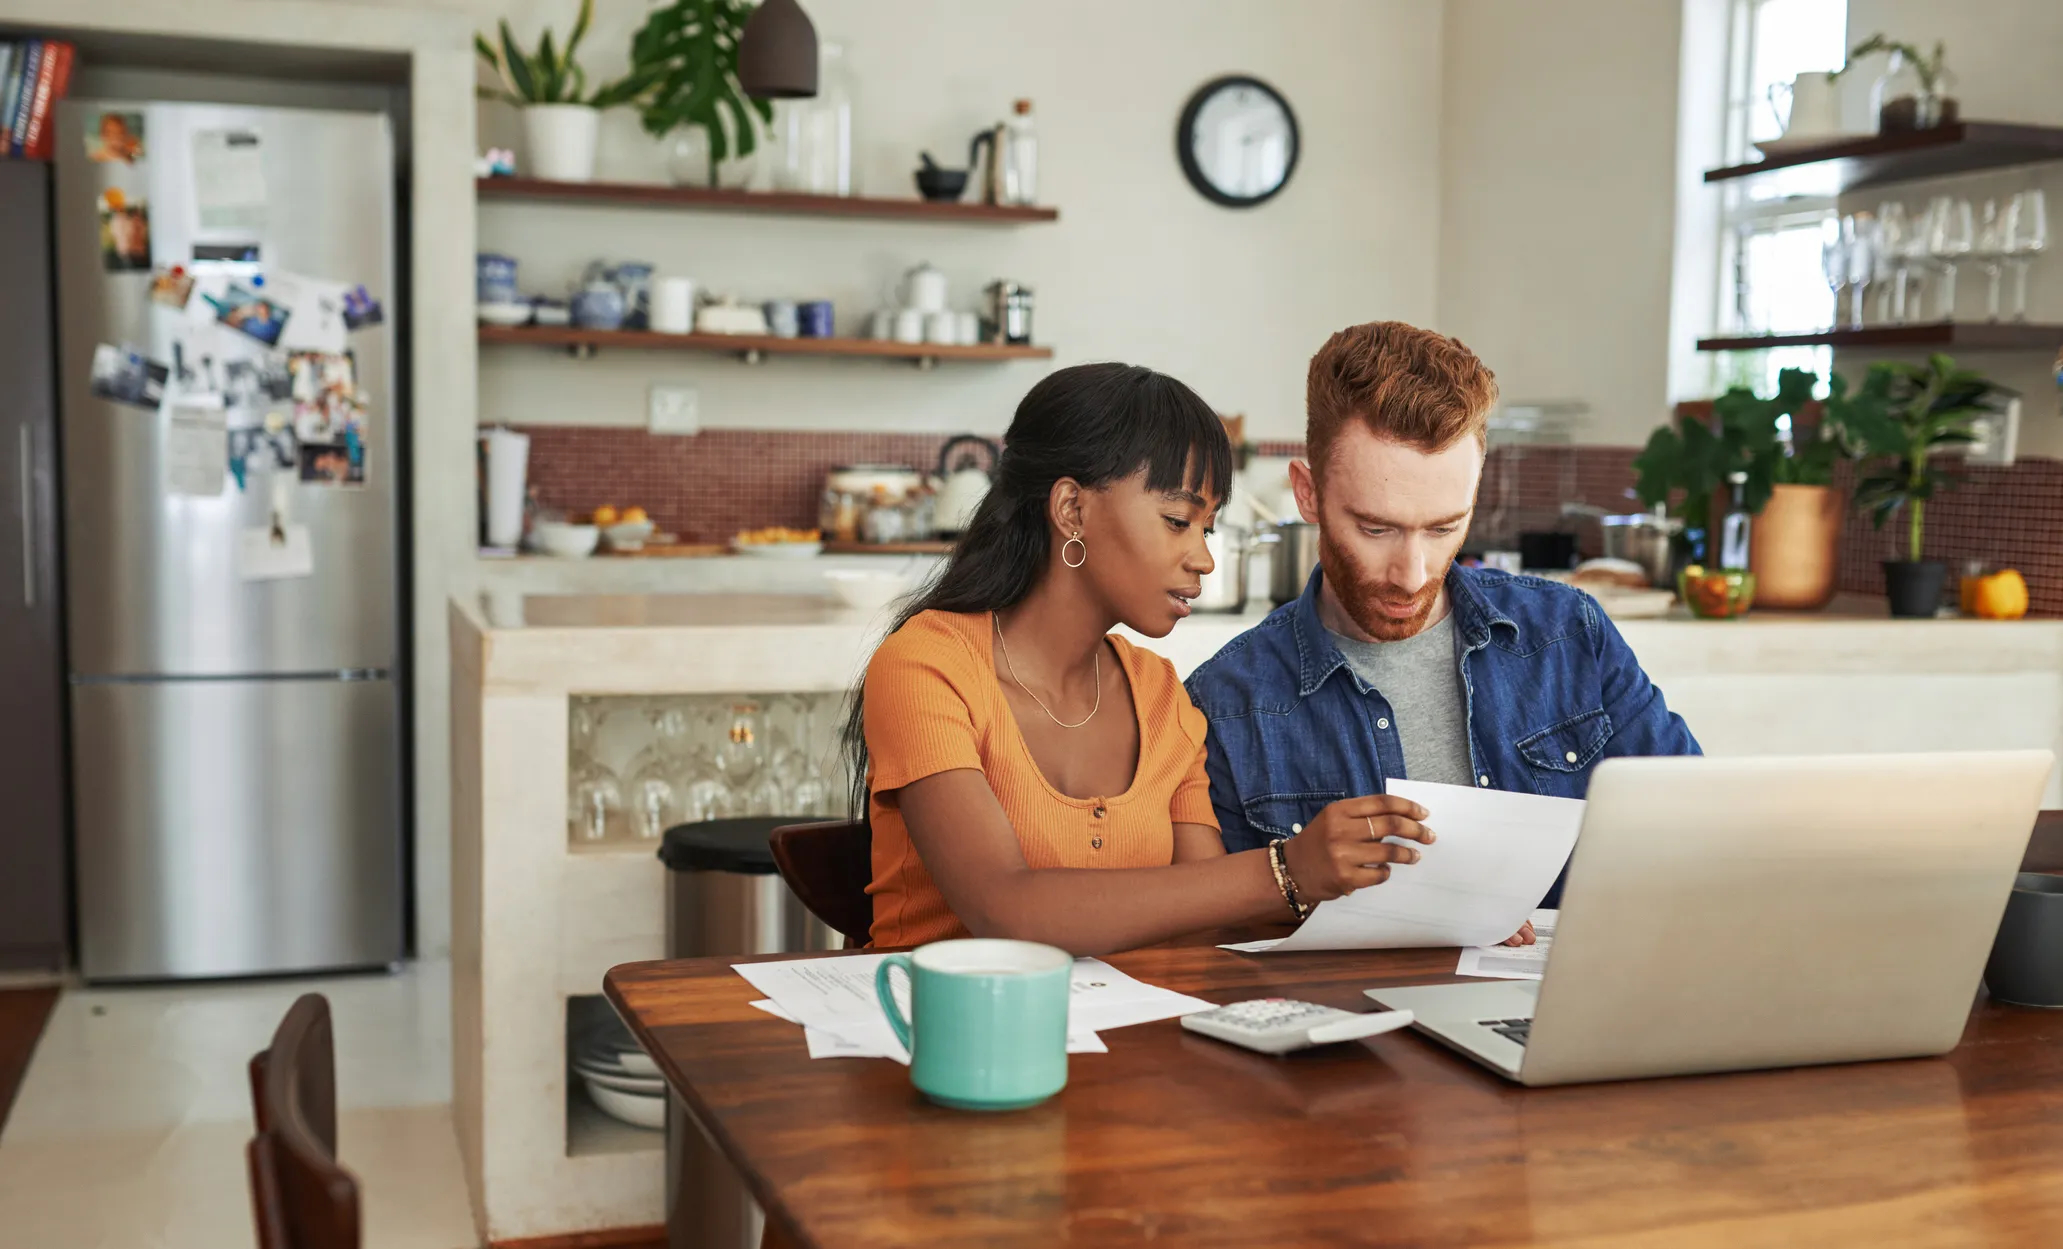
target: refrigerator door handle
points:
(28, 520)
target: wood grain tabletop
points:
(1177, 1139)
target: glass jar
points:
(814, 136)
(1901, 100)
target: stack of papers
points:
(1495, 856)
(1513, 962)
(833, 999)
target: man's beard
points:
(1363, 599)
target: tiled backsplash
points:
(709, 486)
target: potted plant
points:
(1924, 410)
(560, 116)
(1912, 93)
(686, 55)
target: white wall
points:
(1558, 201)
(1140, 267)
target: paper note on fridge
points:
(267, 554)
(1495, 856)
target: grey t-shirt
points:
(1421, 679)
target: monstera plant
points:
(686, 57)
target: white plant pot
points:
(561, 138)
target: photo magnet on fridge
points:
(333, 463)
(171, 288)
(361, 309)
(324, 387)
(124, 232)
(241, 308)
(128, 377)
(116, 138)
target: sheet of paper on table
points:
(1495, 856)
(835, 997)
(1513, 962)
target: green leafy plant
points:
(687, 54)
(550, 75)
(1924, 409)
(1929, 70)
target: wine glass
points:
(1860, 233)
(1989, 251)
(741, 751)
(594, 795)
(2027, 235)
(812, 794)
(1951, 235)
(704, 795)
(654, 798)
(1833, 262)
(1894, 234)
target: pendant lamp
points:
(777, 54)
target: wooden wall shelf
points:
(586, 342)
(1970, 336)
(1873, 160)
(776, 203)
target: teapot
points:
(963, 484)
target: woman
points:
(1029, 776)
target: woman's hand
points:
(1524, 936)
(1343, 849)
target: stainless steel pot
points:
(1296, 554)
(1224, 587)
(1644, 539)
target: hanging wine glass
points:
(811, 795)
(655, 803)
(594, 795)
(704, 794)
(741, 752)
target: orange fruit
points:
(605, 515)
(2001, 596)
(634, 516)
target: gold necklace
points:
(1012, 669)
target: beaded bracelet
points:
(1278, 862)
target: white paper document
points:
(196, 448)
(833, 998)
(1513, 962)
(265, 554)
(1494, 857)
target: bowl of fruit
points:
(779, 542)
(625, 530)
(1715, 593)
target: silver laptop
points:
(1734, 914)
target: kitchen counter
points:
(538, 920)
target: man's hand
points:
(1524, 936)
(1343, 848)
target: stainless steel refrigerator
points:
(236, 734)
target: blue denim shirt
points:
(1549, 685)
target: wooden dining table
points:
(1173, 1138)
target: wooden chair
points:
(829, 866)
(300, 1197)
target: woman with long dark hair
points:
(1028, 775)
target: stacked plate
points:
(621, 1079)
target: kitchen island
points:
(540, 914)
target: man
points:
(1397, 662)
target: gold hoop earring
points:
(1074, 541)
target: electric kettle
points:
(963, 479)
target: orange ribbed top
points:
(933, 704)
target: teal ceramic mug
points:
(987, 1028)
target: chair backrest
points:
(829, 866)
(300, 1197)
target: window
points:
(1770, 263)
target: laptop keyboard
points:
(1514, 1029)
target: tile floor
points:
(129, 1129)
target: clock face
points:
(1237, 141)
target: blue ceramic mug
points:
(987, 1028)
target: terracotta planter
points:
(1796, 550)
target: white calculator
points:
(1277, 1025)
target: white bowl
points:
(866, 591)
(637, 1062)
(632, 1108)
(567, 541)
(629, 536)
(655, 1086)
(779, 550)
(505, 314)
